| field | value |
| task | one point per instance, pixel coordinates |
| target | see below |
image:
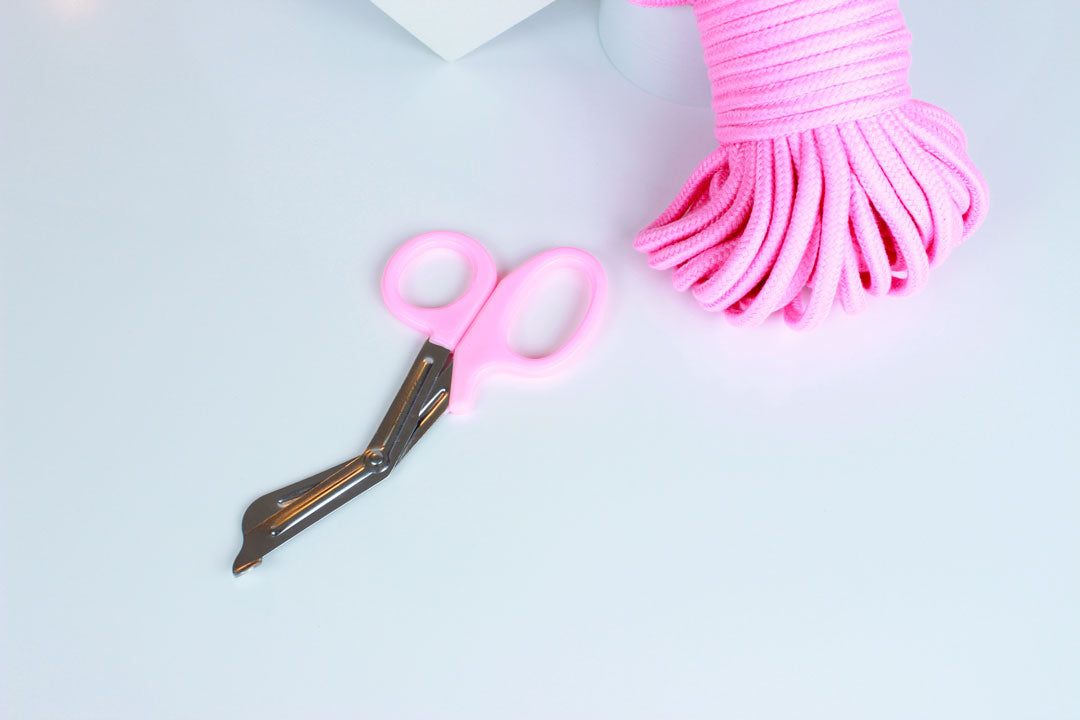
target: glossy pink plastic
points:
(486, 346)
(476, 326)
(446, 324)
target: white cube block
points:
(453, 28)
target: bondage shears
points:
(467, 339)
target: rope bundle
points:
(830, 182)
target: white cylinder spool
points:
(656, 48)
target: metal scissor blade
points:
(438, 399)
(276, 517)
(271, 502)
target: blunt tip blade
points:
(241, 565)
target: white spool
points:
(658, 49)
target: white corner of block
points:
(453, 28)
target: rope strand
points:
(830, 182)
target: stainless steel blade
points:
(279, 516)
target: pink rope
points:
(830, 182)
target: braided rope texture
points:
(830, 182)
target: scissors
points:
(467, 339)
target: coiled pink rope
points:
(830, 182)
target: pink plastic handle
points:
(444, 325)
(486, 346)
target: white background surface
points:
(197, 198)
